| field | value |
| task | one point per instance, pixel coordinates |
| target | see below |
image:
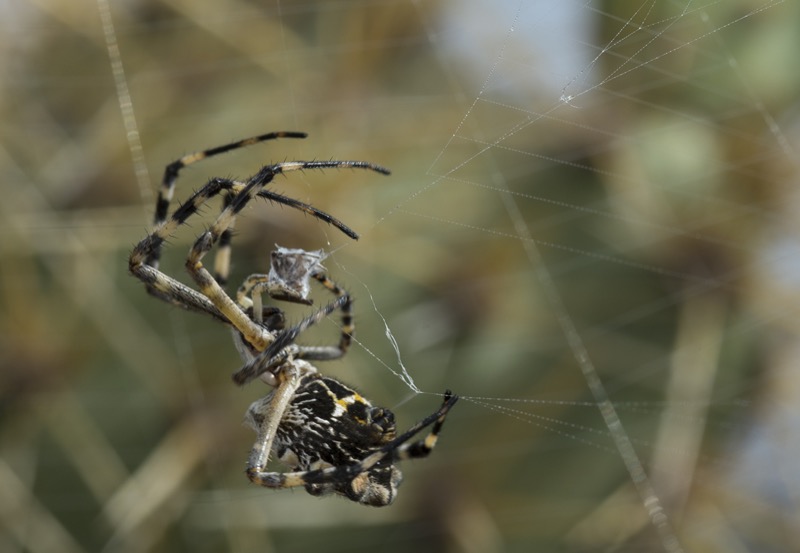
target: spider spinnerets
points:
(332, 438)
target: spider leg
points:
(286, 338)
(251, 331)
(143, 258)
(348, 325)
(423, 447)
(173, 169)
(310, 210)
(257, 473)
(283, 346)
(436, 419)
(222, 259)
(265, 414)
(249, 294)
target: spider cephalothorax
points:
(332, 438)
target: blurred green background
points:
(628, 170)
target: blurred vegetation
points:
(659, 195)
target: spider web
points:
(588, 235)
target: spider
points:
(332, 438)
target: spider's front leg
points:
(172, 171)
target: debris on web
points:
(290, 272)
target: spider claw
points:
(450, 399)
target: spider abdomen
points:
(328, 424)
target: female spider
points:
(332, 438)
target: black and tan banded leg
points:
(310, 210)
(159, 284)
(250, 292)
(222, 259)
(283, 346)
(348, 328)
(423, 447)
(343, 302)
(248, 296)
(172, 170)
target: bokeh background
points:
(579, 188)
